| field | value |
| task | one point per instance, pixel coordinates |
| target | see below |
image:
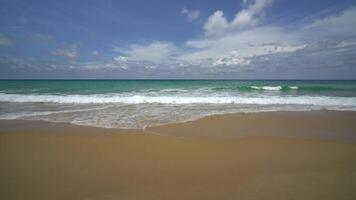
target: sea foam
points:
(272, 88)
(177, 99)
(139, 104)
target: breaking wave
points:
(177, 99)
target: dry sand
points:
(299, 155)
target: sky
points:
(178, 39)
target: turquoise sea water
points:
(141, 103)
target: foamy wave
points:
(24, 114)
(272, 88)
(142, 99)
(173, 90)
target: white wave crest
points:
(272, 88)
(177, 99)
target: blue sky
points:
(232, 39)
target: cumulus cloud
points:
(332, 34)
(69, 52)
(248, 47)
(191, 14)
(217, 24)
(240, 46)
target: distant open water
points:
(142, 103)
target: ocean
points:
(145, 103)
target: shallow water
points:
(142, 103)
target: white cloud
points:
(255, 49)
(217, 24)
(248, 43)
(342, 24)
(70, 52)
(120, 59)
(231, 60)
(226, 46)
(251, 15)
(268, 40)
(191, 14)
(276, 48)
(153, 52)
(239, 49)
(234, 58)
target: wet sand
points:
(279, 155)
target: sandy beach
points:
(276, 155)
(178, 100)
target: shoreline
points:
(241, 156)
(231, 126)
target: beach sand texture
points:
(282, 155)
